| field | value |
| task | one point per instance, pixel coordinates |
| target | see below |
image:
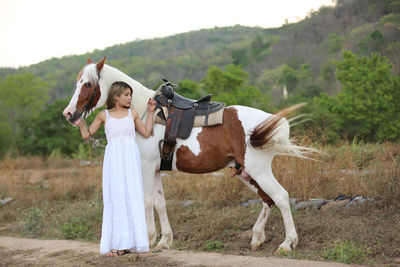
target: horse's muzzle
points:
(75, 116)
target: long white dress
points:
(124, 223)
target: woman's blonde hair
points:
(116, 89)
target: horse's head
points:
(87, 92)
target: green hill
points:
(307, 48)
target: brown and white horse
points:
(248, 138)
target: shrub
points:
(76, 228)
(213, 245)
(33, 222)
(347, 252)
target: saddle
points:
(179, 114)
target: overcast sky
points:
(35, 30)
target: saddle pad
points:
(214, 118)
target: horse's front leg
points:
(148, 172)
(160, 204)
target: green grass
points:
(76, 228)
(33, 224)
(65, 220)
(213, 245)
(347, 252)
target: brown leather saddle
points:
(181, 115)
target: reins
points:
(95, 141)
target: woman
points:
(124, 225)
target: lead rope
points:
(95, 142)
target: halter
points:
(95, 142)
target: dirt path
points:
(26, 252)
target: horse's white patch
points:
(191, 142)
(250, 118)
(90, 73)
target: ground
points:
(22, 252)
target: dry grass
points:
(369, 170)
(214, 187)
(30, 182)
(58, 198)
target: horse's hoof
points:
(161, 246)
(282, 250)
(255, 247)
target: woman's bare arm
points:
(98, 121)
(145, 130)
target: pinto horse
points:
(248, 138)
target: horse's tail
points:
(273, 135)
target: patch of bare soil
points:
(23, 252)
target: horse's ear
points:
(99, 66)
(88, 61)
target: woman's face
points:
(124, 99)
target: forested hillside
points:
(303, 58)
(360, 26)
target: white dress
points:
(124, 223)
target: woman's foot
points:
(116, 252)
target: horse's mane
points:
(108, 75)
(91, 72)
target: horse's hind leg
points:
(160, 204)
(258, 166)
(259, 227)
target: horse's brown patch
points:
(97, 96)
(219, 145)
(262, 194)
(90, 88)
(85, 94)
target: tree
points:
(257, 46)
(372, 43)
(6, 138)
(368, 105)
(49, 132)
(295, 79)
(189, 88)
(240, 57)
(334, 42)
(229, 86)
(21, 97)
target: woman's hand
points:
(151, 105)
(78, 122)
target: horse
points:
(248, 138)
